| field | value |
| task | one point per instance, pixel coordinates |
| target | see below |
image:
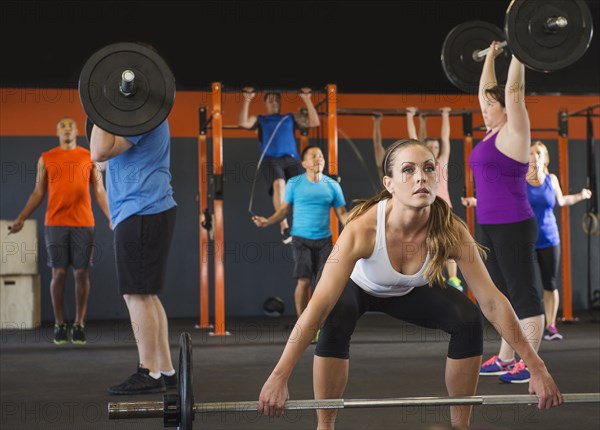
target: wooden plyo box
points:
(18, 251)
(20, 301)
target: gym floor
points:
(44, 386)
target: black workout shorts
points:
(69, 246)
(280, 168)
(310, 255)
(142, 245)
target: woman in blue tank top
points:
(543, 191)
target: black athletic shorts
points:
(309, 255)
(69, 246)
(280, 168)
(142, 245)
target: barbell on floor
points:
(545, 35)
(147, 409)
(178, 410)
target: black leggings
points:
(511, 262)
(548, 260)
(436, 307)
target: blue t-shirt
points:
(283, 142)
(312, 202)
(138, 181)
(542, 200)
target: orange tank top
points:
(69, 173)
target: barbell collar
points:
(127, 86)
(555, 23)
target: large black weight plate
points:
(186, 394)
(112, 111)
(540, 48)
(88, 130)
(457, 54)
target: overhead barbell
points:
(545, 35)
(179, 410)
(126, 89)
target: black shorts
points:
(69, 246)
(280, 168)
(142, 245)
(433, 307)
(549, 263)
(511, 262)
(310, 255)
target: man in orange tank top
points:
(65, 173)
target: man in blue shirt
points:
(278, 143)
(142, 210)
(312, 194)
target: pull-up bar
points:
(213, 123)
(581, 112)
(398, 112)
(268, 89)
(482, 127)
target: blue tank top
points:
(283, 141)
(542, 200)
(500, 185)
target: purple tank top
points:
(501, 189)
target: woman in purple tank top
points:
(543, 191)
(499, 163)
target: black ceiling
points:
(363, 46)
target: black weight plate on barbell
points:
(185, 388)
(88, 130)
(538, 47)
(457, 54)
(114, 112)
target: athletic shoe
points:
(78, 334)
(171, 381)
(455, 283)
(495, 366)
(518, 375)
(139, 383)
(60, 334)
(286, 236)
(550, 333)
(316, 338)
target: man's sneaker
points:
(518, 375)
(139, 383)
(286, 236)
(171, 381)
(550, 333)
(60, 334)
(78, 334)
(495, 366)
(454, 282)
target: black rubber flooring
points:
(44, 386)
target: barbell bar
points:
(134, 410)
(179, 410)
(545, 35)
(552, 24)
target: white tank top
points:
(376, 275)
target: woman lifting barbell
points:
(382, 264)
